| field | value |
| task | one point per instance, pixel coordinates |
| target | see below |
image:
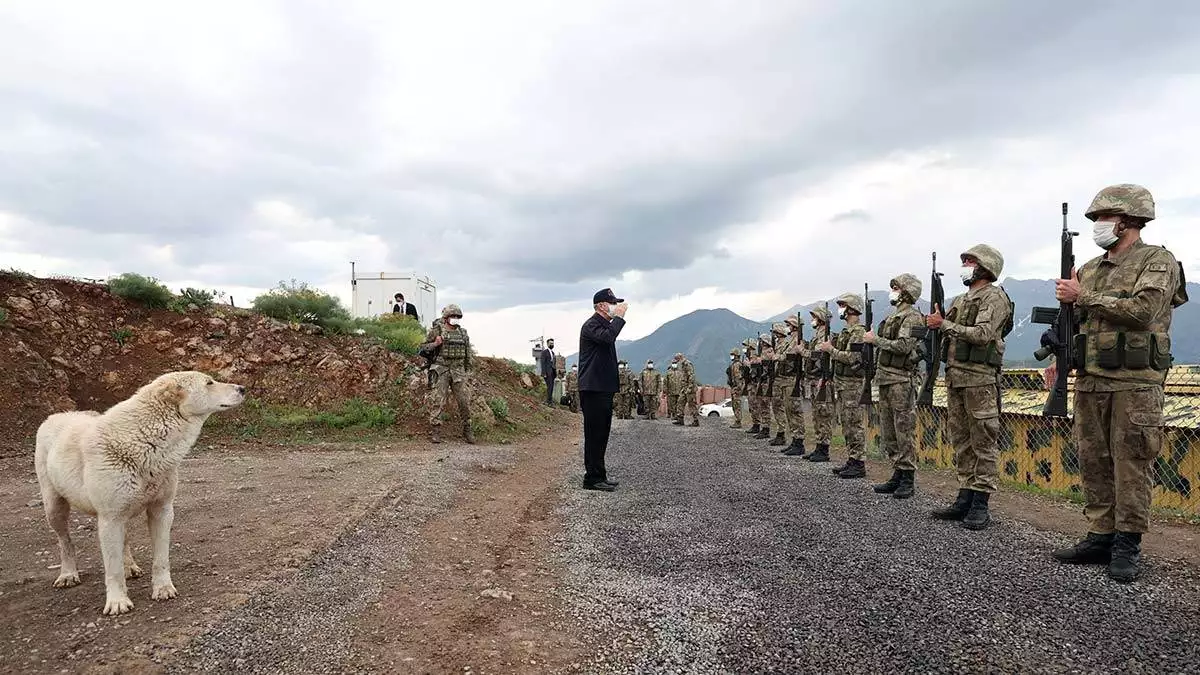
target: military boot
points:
(435, 434)
(765, 432)
(1126, 554)
(754, 429)
(888, 487)
(468, 433)
(735, 425)
(678, 421)
(855, 468)
(695, 423)
(796, 449)
(821, 454)
(779, 439)
(978, 518)
(1095, 549)
(957, 510)
(905, 488)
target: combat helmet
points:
(451, 310)
(780, 328)
(1125, 199)
(851, 300)
(908, 283)
(821, 314)
(792, 321)
(989, 259)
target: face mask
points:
(967, 274)
(894, 297)
(454, 321)
(842, 313)
(650, 366)
(622, 366)
(1103, 235)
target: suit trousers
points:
(597, 423)
(549, 389)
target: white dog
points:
(120, 464)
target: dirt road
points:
(716, 554)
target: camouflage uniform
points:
(734, 378)
(788, 409)
(672, 387)
(651, 383)
(750, 386)
(848, 382)
(762, 382)
(973, 350)
(687, 392)
(623, 402)
(823, 412)
(1125, 308)
(449, 370)
(573, 388)
(896, 375)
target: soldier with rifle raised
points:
(733, 379)
(750, 385)
(847, 355)
(930, 346)
(973, 348)
(761, 376)
(897, 374)
(819, 367)
(778, 385)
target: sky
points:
(689, 153)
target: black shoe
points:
(978, 518)
(821, 454)
(957, 510)
(855, 468)
(677, 423)
(778, 440)
(754, 429)
(765, 432)
(838, 470)
(610, 482)
(889, 487)
(601, 486)
(796, 449)
(1126, 554)
(904, 489)
(1095, 549)
(695, 423)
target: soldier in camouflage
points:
(672, 387)
(687, 392)
(823, 411)
(450, 369)
(848, 382)
(896, 375)
(573, 388)
(973, 350)
(764, 356)
(1125, 299)
(789, 409)
(623, 401)
(750, 386)
(775, 399)
(734, 380)
(651, 383)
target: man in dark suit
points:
(548, 370)
(598, 381)
(402, 307)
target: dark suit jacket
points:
(598, 354)
(547, 364)
(409, 309)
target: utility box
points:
(371, 294)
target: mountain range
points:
(707, 335)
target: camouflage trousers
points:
(973, 419)
(672, 404)
(687, 406)
(763, 406)
(823, 415)
(853, 430)
(623, 405)
(651, 405)
(736, 402)
(448, 378)
(574, 400)
(787, 409)
(898, 424)
(1118, 435)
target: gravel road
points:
(716, 554)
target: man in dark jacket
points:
(598, 381)
(548, 370)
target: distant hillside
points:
(707, 335)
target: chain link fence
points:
(1039, 452)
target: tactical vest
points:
(964, 351)
(812, 365)
(454, 344)
(787, 367)
(890, 329)
(842, 344)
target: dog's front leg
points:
(159, 517)
(112, 549)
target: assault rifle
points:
(930, 347)
(825, 367)
(770, 367)
(1060, 336)
(867, 351)
(795, 358)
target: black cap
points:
(605, 295)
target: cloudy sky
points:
(688, 153)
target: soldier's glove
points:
(1050, 339)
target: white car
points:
(722, 409)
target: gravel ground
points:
(716, 554)
(306, 625)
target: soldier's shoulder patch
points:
(1157, 267)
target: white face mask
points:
(454, 320)
(650, 366)
(894, 297)
(842, 313)
(966, 273)
(621, 366)
(815, 323)
(1103, 234)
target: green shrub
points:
(298, 303)
(202, 299)
(398, 333)
(499, 407)
(145, 290)
(352, 414)
(522, 367)
(3, 315)
(121, 335)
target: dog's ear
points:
(171, 393)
